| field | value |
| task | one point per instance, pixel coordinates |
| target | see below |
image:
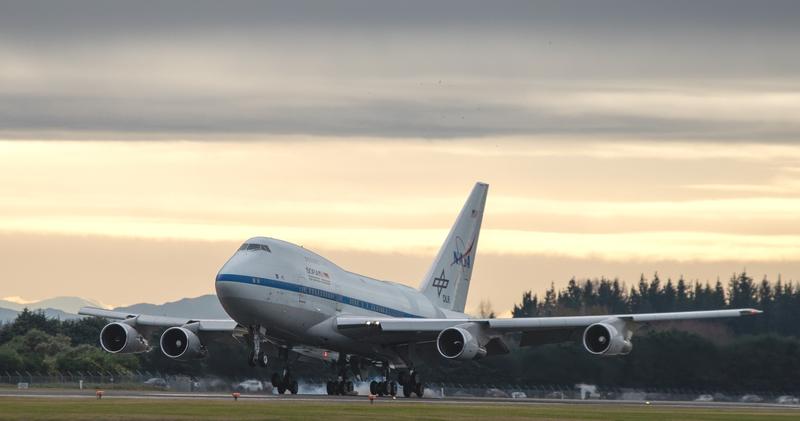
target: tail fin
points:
(447, 281)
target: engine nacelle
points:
(181, 344)
(122, 338)
(605, 339)
(458, 343)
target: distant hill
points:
(65, 304)
(204, 306)
(66, 308)
(7, 315)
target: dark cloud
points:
(119, 66)
(30, 117)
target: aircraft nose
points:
(224, 288)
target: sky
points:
(142, 142)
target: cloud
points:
(431, 70)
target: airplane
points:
(283, 298)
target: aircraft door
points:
(338, 295)
(302, 297)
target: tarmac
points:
(132, 394)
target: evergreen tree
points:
(529, 306)
(682, 296)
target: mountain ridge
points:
(201, 307)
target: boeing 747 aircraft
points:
(285, 299)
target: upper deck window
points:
(252, 247)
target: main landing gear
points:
(258, 356)
(411, 384)
(284, 381)
(341, 386)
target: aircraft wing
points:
(145, 322)
(534, 330)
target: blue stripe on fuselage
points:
(316, 292)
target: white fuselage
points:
(295, 295)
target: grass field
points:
(157, 409)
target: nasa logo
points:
(462, 258)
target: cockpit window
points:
(255, 247)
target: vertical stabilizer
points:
(447, 281)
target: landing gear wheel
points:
(263, 359)
(419, 389)
(293, 387)
(251, 359)
(382, 389)
(413, 377)
(275, 379)
(330, 388)
(348, 387)
(407, 390)
(281, 389)
(392, 388)
(373, 387)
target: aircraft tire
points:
(373, 387)
(293, 387)
(392, 388)
(281, 389)
(263, 359)
(275, 379)
(407, 390)
(419, 389)
(329, 387)
(413, 378)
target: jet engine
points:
(605, 339)
(122, 338)
(181, 343)
(458, 343)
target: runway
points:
(132, 394)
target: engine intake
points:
(181, 344)
(122, 338)
(459, 343)
(605, 339)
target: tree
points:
(10, 361)
(29, 320)
(485, 309)
(681, 296)
(528, 308)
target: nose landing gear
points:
(258, 356)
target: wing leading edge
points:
(147, 321)
(558, 328)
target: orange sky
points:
(123, 222)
